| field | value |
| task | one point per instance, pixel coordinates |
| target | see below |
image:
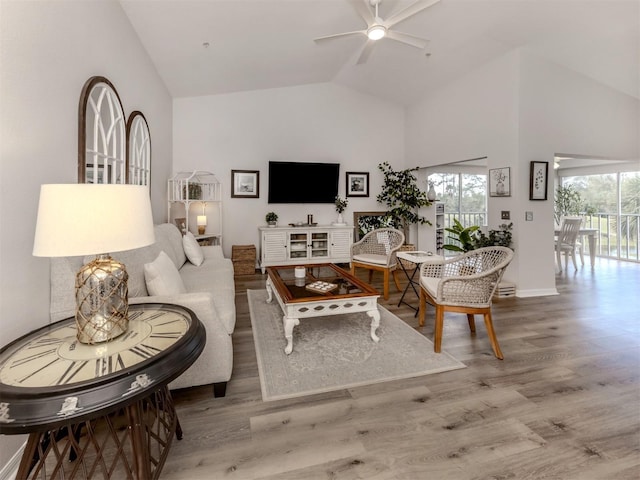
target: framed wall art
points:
(357, 184)
(245, 183)
(538, 180)
(500, 182)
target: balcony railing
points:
(617, 235)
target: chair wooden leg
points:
(437, 333)
(386, 285)
(397, 280)
(472, 322)
(353, 270)
(492, 335)
(422, 308)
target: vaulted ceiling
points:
(206, 47)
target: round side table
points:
(98, 410)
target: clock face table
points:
(76, 400)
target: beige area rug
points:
(336, 352)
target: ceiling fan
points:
(377, 28)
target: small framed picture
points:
(357, 184)
(245, 183)
(538, 178)
(500, 182)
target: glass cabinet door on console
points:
(298, 245)
(319, 245)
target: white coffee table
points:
(296, 302)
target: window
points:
(464, 196)
(611, 203)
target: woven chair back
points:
(382, 241)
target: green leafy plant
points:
(501, 237)
(470, 238)
(271, 217)
(341, 204)
(568, 201)
(465, 238)
(402, 196)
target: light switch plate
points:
(528, 216)
(506, 215)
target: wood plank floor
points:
(563, 404)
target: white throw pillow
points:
(192, 249)
(162, 277)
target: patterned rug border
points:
(271, 393)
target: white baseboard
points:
(541, 292)
(10, 470)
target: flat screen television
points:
(297, 182)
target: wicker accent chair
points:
(464, 284)
(376, 252)
(567, 242)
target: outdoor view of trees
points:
(618, 222)
(464, 197)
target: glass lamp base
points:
(102, 303)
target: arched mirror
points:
(101, 134)
(138, 150)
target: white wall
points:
(514, 110)
(319, 122)
(476, 116)
(48, 51)
(564, 111)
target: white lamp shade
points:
(91, 219)
(201, 220)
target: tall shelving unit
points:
(199, 187)
(431, 237)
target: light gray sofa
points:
(210, 294)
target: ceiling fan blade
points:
(407, 39)
(363, 8)
(336, 35)
(366, 52)
(408, 12)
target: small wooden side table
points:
(415, 258)
(101, 410)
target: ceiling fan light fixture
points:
(376, 32)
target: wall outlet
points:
(505, 215)
(528, 216)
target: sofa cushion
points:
(192, 249)
(162, 276)
(169, 240)
(215, 276)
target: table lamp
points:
(91, 219)
(202, 224)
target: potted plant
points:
(341, 205)
(470, 238)
(271, 218)
(568, 201)
(402, 196)
(464, 237)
